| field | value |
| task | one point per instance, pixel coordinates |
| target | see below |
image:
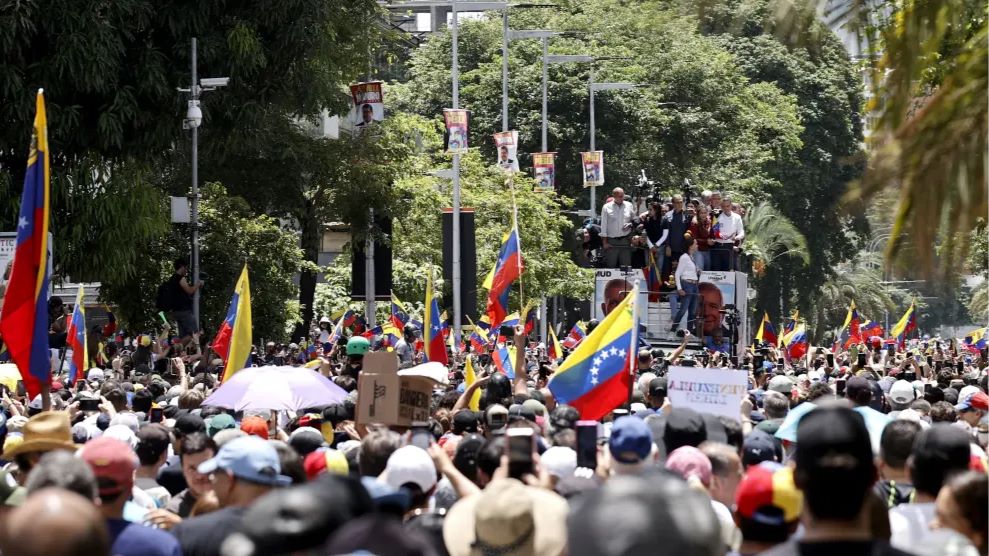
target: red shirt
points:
(701, 233)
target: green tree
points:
(232, 235)
(859, 280)
(110, 71)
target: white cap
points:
(410, 464)
(967, 391)
(128, 420)
(95, 374)
(902, 392)
(559, 461)
(123, 434)
(913, 415)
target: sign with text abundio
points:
(717, 391)
(385, 397)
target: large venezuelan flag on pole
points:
(906, 324)
(432, 333)
(76, 339)
(597, 376)
(238, 322)
(796, 342)
(508, 269)
(24, 317)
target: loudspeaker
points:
(468, 262)
(382, 265)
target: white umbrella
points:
(276, 388)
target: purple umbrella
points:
(276, 388)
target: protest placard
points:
(717, 391)
(389, 398)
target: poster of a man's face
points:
(611, 287)
(367, 114)
(614, 293)
(711, 303)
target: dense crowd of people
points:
(829, 454)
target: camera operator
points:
(589, 236)
(618, 221)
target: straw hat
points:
(45, 432)
(510, 518)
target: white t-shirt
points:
(910, 524)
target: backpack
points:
(166, 299)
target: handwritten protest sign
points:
(717, 391)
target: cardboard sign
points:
(717, 391)
(386, 398)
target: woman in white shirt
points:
(686, 277)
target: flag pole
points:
(633, 351)
(515, 228)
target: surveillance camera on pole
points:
(213, 83)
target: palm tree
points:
(769, 235)
(858, 280)
(930, 112)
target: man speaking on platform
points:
(616, 230)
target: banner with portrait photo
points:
(723, 294)
(507, 143)
(455, 139)
(544, 170)
(369, 104)
(593, 165)
(611, 285)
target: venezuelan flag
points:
(554, 350)
(511, 320)
(399, 314)
(503, 359)
(476, 339)
(433, 345)
(76, 339)
(508, 268)
(870, 328)
(976, 340)
(906, 324)
(575, 336)
(529, 317)
(654, 278)
(796, 342)
(24, 317)
(238, 352)
(767, 332)
(596, 377)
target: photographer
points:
(589, 236)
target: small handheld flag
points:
(906, 324)
(555, 351)
(767, 332)
(76, 339)
(433, 326)
(474, 404)
(238, 319)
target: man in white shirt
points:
(726, 233)
(616, 230)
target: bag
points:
(167, 297)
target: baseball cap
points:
(855, 386)
(684, 427)
(967, 391)
(976, 400)
(218, 423)
(758, 447)
(11, 494)
(496, 412)
(520, 412)
(255, 426)
(833, 445)
(689, 462)
(95, 374)
(306, 440)
(782, 384)
(249, 458)
(559, 461)
(113, 462)
(325, 460)
(631, 440)
(465, 421)
(410, 464)
(901, 392)
(767, 495)
(658, 387)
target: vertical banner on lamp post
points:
(456, 130)
(544, 170)
(507, 143)
(593, 163)
(368, 103)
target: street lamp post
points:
(455, 78)
(192, 121)
(595, 87)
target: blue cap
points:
(249, 458)
(631, 440)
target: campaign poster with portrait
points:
(507, 143)
(544, 170)
(611, 285)
(455, 138)
(593, 164)
(720, 292)
(369, 104)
